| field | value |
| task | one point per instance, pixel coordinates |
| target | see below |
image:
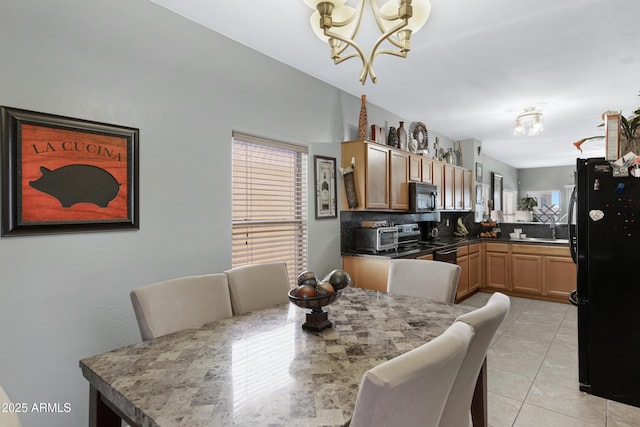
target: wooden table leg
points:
(100, 414)
(479, 401)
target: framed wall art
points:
(496, 191)
(478, 172)
(61, 174)
(325, 185)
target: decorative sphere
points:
(307, 278)
(305, 291)
(324, 288)
(340, 279)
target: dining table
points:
(262, 368)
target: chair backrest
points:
(8, 417)
(485, 322)
(257, 286)
(434, 280)
(182, 303)
(412, 389)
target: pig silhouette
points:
(78, 184)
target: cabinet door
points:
(497, 270)
(428, 257)
(448, 184)
(415, 168)
(377, 188)
(463, 283)
(369, 273)
(559, 276)
(527, 273)
(438, 174)
(458, 186)
(399, 180)
(467, 190)
(475, 271)
(427, 170)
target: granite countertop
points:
(451, 242)
(262, 368)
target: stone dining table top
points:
(262, 368)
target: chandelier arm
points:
(368, 65)
(348, 42)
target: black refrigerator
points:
(605, 244)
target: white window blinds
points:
(269, 203)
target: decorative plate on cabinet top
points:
(421, 135)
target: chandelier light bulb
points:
(528, 122)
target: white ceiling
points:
(473, 67)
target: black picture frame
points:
(64, 175)
(496, 191)
(325, 187)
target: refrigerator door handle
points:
(573, 297)
(573, 241)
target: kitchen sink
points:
(543, 240)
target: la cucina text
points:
(95, 149)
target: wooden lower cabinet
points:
(367, 272)
(470, 262)
(497, 266)
(531, 271)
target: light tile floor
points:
(533, 371)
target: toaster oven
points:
(376, 239)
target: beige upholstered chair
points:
(8, 418)
(485, 322)
(412, 389)
(182, 303)
(257, 286)
(434, 280)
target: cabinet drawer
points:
(540, 250)
(497, 247)
(474, 248)
(463, 250)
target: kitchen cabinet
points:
(458, 187)
(467, 190)
(427, 170)
(399, 180)
(532, 271)
(475, 267)
(415, 168)
(469, 261)
(448, 186)
(367, 272)
(437, 179)
(497, 266)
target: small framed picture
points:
(325, 185)
(478, 172)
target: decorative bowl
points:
(314, 303)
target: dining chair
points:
(411, 389)
(434, 280)
(8, 416)
(485, 321)
(186, 302)
(257, 286)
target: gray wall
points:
(509, 173)
(133, 63)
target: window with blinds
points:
(269, 203)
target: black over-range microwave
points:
(423, 197)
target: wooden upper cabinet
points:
(467, 190)
(438, 180)
(377, 183)
(399, 180)
(427, 170)
(448, 186)
(415, 168)
(458, 186)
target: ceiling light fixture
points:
(338, 24)
(529, 122)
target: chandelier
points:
(337, 24)
(529, 122)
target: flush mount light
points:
(528, 122)
(337, 24)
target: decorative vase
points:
(392, 140)
(402, 137)
(363, 132)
